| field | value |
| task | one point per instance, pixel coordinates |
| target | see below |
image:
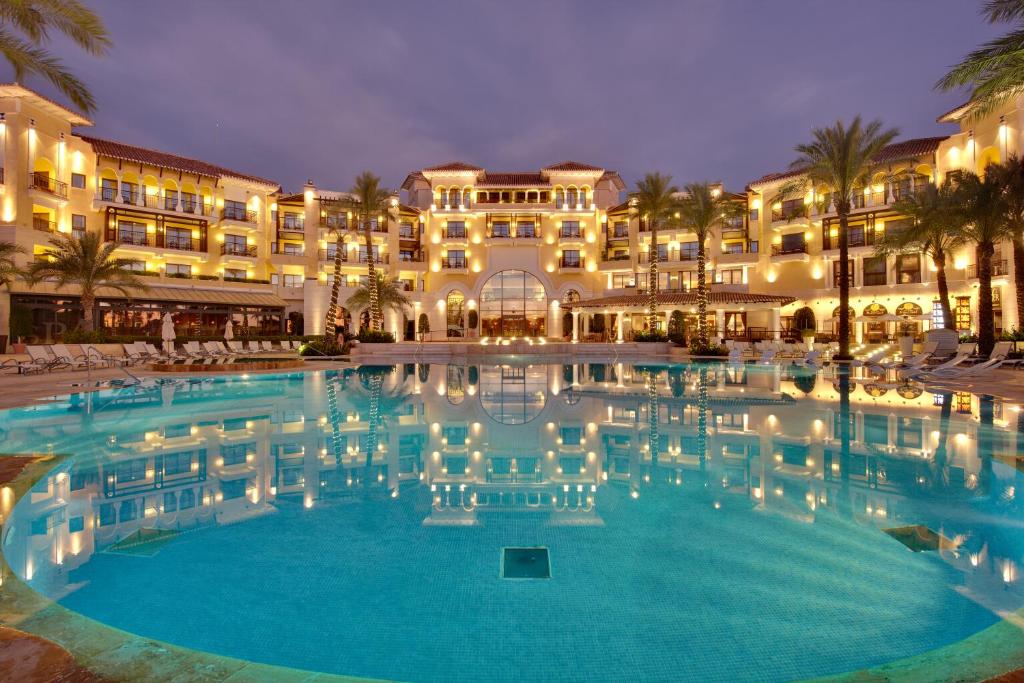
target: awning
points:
(172, 294)
(687, 298)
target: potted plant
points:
(808, 336)
(804, 321)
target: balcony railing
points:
(408, 234)
(137, 239)
(43, 181)
(789, 212)
(328, 255)
(855, 238)
(334, 222)
(999, 269)
(410, 258)
(453, 234)
(287, 249)
(614, 257)
(499, 234)
(570, 233)
(234, 214)
(784, 250)
(293, 223)
(571, 262)
(453, 262)
(43, 224)
(182, 243)
(248, 250)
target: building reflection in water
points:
(544, 440)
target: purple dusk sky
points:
(701, 90)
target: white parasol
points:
(167, 333)
(229, 331)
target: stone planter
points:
(906, 346)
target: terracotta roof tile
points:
(572, 166)
(688, 299)
(513, 179)
(906, 149)
(454, 166)
(142, 155)
(618, 208)
(954, 114)
(405, 208)
(411, 178)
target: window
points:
(456, 229)
(170, 501)
(571, 258)
(662, 252)
(234, 274)
(623, 280)
(755, 215)
(290, 280)
(569, 229)
(456, 258)
(130, 232)
(134, 265)
(570, 197)
(76, 524)
(77, 225)
(405, 230)
(234, 454)
(129, 193)
(908, 268)
(132, 470)
(526, 229)
(874, 270)
(835, 273)
(178, 238)
(688, 251)
(963, 313)
(406, 254)
(500, 229)
(571, 436)
(78, 181)
(293, 221)
(455, 305)
(732, 248)
(731, 276)
(513, 303)
(235, 210)
(108, 189)
(178, 463)
(456, 435)
(188, 202)
(187, 500)
(179, 269)
(937, 320)
(234, 244)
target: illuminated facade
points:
(558, 253)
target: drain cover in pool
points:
(525, 563)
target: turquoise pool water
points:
(702, 522)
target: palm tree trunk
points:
(88, 300)
(702, 296)
(375, 315)
(986, 317)
(652, 281)
(844, 283)
(376, 386)
(939, 258)
(1018, 275)
(331, 324)
(653, 439)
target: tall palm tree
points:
(369, 200)
(995, 71)
(840, 157)
(25, 26)
(387, 292)
(984, 205)
(87, 262)
(9, 270)
(1010, 174)
(702, 208)
(935, 231)
(655, 197)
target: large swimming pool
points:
(682, 522)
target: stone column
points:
(618, 325)
(776, 323)
(719, 330)
(575, 326)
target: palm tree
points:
(1010, 174)
(656, 203)
(840, 158)
(26, 25)
(9, 270)
(995, 71)
(368, 202)
(86, 262)
(985, 224)
(702, 208)
(385, 289)
(935, 231)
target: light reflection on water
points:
(661, 490)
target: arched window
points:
(456, 311)
(513, 304)
(454, 197)
(467, 197)
(442, 197)
(559, 196)
(570, 198)
(570, 298)
(583, 196)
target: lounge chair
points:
(267, 346)
(159, 354)
(24, 367)
(99, 358)
(767, 355)
(193, 349)
(253, 347)
(995, 359)
(62, 352)
(237, 348)
(215, 349)
(40, 355)
(735, 355)
(809, 358)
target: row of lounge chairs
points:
(771, 351)
(48, 358)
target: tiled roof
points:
(687, 299)
(54, 107)
(514, 179)
(405, 208)
(142, 155)
(614, 177)
(454, 166)
(907, 149)
(299, 198)
(572, 166)
(411, 178)
(619, 208)
(955, 114)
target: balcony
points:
(287, 249)
(334, 222)
(167, 201)
(135, 239)
(794, 252)
(43, 182)
(246, 250)
(453, 234)
(408, 234)
(240, 215)
(410, 258)
(571, 234)
(292, 223)
(571, 263)
(43, 224)
(999, 269)
(855, 238)
(789, 212)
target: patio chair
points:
(40, 355)
(267, 346)
(100, 358)
(253, 347)
(237, 347)
(193, 350)
(62, 352)
(214, 350)
(995, 359)
(24, 367)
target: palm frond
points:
(27, 59)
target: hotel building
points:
(559, 252)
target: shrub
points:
(321, 346)
(968, 339)
(677, 337)
(375, 337)
(77, 336)
(709, 349)
(649, 336)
